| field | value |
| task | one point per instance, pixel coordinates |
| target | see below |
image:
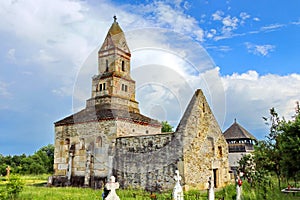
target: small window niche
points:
(106, 66)
(123, 65)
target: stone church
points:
(111, 137)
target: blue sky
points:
(246, 55)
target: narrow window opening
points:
(100, 87)
(67, 141)
(123, 66)
(123, 87)
(126, 88)
(106, 66)
(220, 151)
(104, 86)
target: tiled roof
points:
(236, 131)
(89, 115)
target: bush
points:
(12, 188)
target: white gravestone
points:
(211, 192)
(177, 191)
(112, 186)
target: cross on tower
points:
(115, 18)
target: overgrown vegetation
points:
(12, 188)
(277, 156)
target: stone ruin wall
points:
(205, 148)
(99, 139)
(147, 162)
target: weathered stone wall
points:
(125, 128)
(148, 161)
(97, 138)
(93, 136)
(205, 151)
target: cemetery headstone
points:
(177, 191)
(211, 192)
(112, 186)
(7, 171)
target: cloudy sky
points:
(244, 55)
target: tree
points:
(166, 127)
(280, 152)
(271, 151)
(290, 146)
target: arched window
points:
(100, 87)
(123, 66)
(99, 141)
(106, 64)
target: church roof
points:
(115, 28)
(236, 131)
(90, 115)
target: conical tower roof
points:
(115, 28)
(236, 131)
(115, 38)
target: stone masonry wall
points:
(205, 151)
(147, 162)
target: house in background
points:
(240, 143)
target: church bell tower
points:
(113, 87)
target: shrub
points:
(12, 188)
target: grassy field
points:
(35, 189)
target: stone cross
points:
(177, 191)
(112, 186)
(211, 192)
(7, 171)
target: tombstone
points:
(211, 192)
(50, 181)
(69, 172)
(112, 186)
(177, 191)
(7, 171)
(238, 188)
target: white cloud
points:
(166, 16)
(296, 22)
(257, 94)
(262, 50)
(272, 27)
(218, 15)
(4, 93)
(244, 15)
(11, 55)
(256, 19)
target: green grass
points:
(35, 189)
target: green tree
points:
(270, 154)
(166, 127)
(290, 146)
